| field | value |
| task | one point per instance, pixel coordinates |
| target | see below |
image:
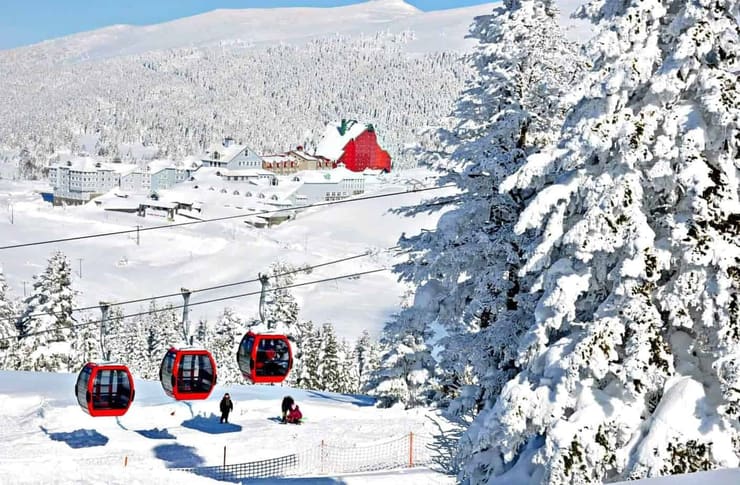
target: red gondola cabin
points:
(105, 389)
(188, 374)
(264, 358)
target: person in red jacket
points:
(295, 415)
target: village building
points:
(232, 156)
(355, 145)
(294, 161)
(79, 179)
(330, 185)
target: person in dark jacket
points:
(226, 407)
(285, 406)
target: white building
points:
(231, 156)
(79, 179)
(329, 185)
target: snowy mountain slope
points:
(440, 30)
(40, 418)
(116, 268)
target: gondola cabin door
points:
(188, 374)
(264, 358)
(105, 389)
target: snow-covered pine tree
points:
(224, 343)
(407, 355)
(350, 380)
(282, 305)
(405, 375)
(132, 348)
(162, 330)
(630, 365)
(46, 321)
(466, 270)
(306, 370)
(304, 341)
(366, 357)
(8, 315)
(85, 343)
(330, 361)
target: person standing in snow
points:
(226, 407)
(286, 406)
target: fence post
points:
(125, 461)
(224, 455)
(321, 452)
(411, 449)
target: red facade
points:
(364, 152)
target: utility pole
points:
(104, 308)
(79, 273)
(24, 289)
(188, 337)
(138, 239)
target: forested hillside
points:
(176, 102)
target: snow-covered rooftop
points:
(89, 164)
(333, 142)
(328, 176)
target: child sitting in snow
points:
(295, 415)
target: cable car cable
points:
(209, 288)
(204, 302)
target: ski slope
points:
(46, 438)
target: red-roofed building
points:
(355, 145)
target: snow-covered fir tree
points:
(630, 364)
(8, 315)
(281, 307)
(45, 326)
(306, 369)
(466, 270)
(132, 348)
(224, 342)
(85, 343)
(406, 374)
(366, 357)
(330, 368)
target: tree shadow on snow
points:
(444, 447)
(156, 434)
(357, 400)
(178, 456)
(211, 425)
(79, 438)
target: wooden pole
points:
(322, 456)
(411, 449)
(224, 455)
(125, 461)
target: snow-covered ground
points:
(203, 255)
(46, 438)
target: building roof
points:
(89, 164)
(332, 176)
(336, 136)
(246, 172)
